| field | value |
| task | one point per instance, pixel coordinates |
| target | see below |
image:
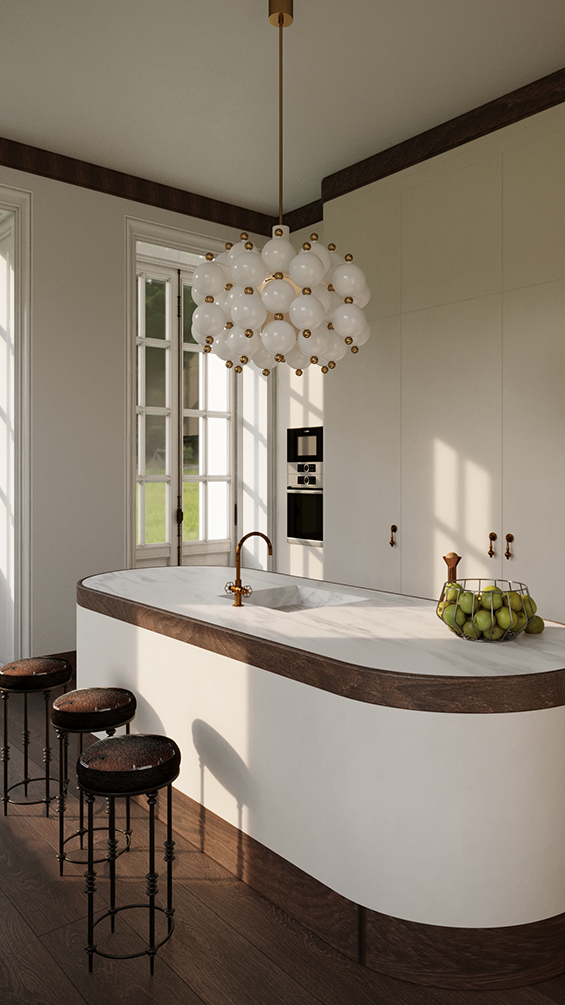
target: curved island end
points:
(393, 787)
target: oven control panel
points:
(305, 475)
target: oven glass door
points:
(305, 515)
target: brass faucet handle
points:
(229, 588)
(246, 591)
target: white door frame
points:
(18, 201)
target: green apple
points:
(483, 621)
(521, 622)
(491, 598)
(537, 626)
(530, 606)
(467, 601)
(496, 633)
(507, 618)
(513, 600)
(452, 592)
(470, 630)
(453, 616)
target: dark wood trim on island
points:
(434, 955)
(420, 692)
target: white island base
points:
(428, 842)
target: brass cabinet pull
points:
(393, 531)
(492, 538)
(509, 540)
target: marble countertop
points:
(381, 631)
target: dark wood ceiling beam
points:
(503, 111)
(22, 157)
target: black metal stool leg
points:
(152, 878)
(128, 819)
(81, 801)
(61, 798)
(47, 749)
(169, 858)
(5, 751)
(25, 743)
(112, 850)
(90, 887)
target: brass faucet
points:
(236, 588)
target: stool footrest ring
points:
(150, 951)
(28, 802)
(84, 861)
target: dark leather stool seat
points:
(37, 673)
(129, 765)
(87, 710)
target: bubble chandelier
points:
(276, 306)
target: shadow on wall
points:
(228, 768)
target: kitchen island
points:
(396, 788)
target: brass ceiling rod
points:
(281, 14)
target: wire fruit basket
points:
(486, 610)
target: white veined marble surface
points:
(384, 631)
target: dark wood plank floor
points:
(230, 946)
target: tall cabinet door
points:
(362, 464)
(451, 436)
(534, 441)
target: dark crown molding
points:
(519, 104)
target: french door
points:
(185, 436)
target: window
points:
(184, 455)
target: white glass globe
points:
(236, 250)
(323, 254)
(306, 311)
(201, 339)
(198, 296)
(348, 280)
(336, 259)
(314, 344)
(322, 294)
(296, 359)
(306, 269)
(278, 336)
(220, 347)
(249, 311)
(223, 301)
(241, 344)
(335, 301)
(278, 254)
(249, 269)
(209, 279)
(348, 320)
(208, 319)
(362, 299)
(263, 359)
(335, 348)
(277, 295)
(363, 335)
(233, 294)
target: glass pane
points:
(192, 509)
(191, 446)
(155, 373)
(137, 283)
(218, 446)
(217, 511)
(155, 308)
(217, 384)
(188, 308)
(138, 352)
(155, 444)
(155, 512)
(138, 427)
(191, 372)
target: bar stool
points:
(131, 765)
(88, 710)
(38, 673)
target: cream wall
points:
(78, 356)
(450, 422)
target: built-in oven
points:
(305, 500)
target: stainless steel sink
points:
(299, 598)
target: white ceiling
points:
(185, 93)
